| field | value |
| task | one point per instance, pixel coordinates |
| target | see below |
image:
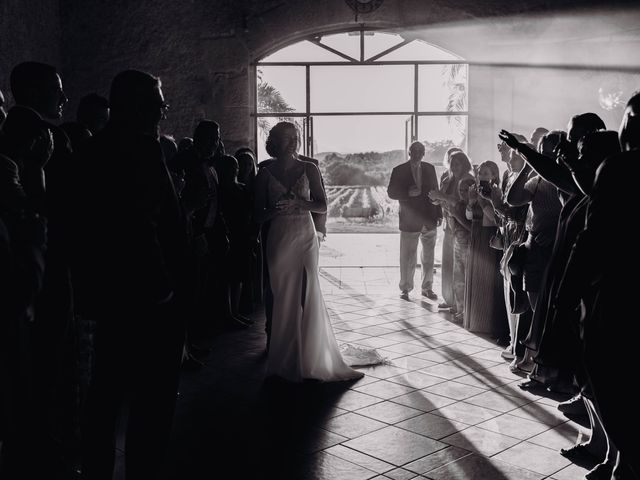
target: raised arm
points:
(546, 167)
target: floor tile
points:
(352, 400)
(476, 467)
(416, 379)
(539, 412)
(436, 460)
(395, 446)
(534, 457)
(400, 474)
(455, 390)
(389, 412)
(324, 466)
(359, 458)
(385, 389)
(514, 426)
(432, 426)
(564, 435)
(480, 441)
(352, 425)
(445, 370)
(466, 413)
(411, 363)
(423, 400)
(572, 472)
(496, 401)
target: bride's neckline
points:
(282, 183)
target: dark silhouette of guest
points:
(93, 112)
(129, 273)
(594, 283)
(91, 117)
(27, 448)
(185, 144)
(208, 234)
(38, 87)
(252, 284)
(247, 167)
(236, 208)
(3, 112)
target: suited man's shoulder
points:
(304, 158)
(266, 163)
(402, 166)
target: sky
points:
(366, 88)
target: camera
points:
(485, 188)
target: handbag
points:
(518, 260)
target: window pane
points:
(266, 123)
(418, 50)
(439, 133)
(347, 43)
(356, 155)
(352, 88)
(281, 89)
(375, 43)
(442, 88)
(304, 51)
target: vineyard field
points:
(360, 206)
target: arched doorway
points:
(359, 98)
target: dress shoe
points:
(404, 295)
(444, 306)
(458, 317)
(578, 453)
(430, 294)
(507, 353)
(573, 406)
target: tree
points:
(456, 81)
(270, 100)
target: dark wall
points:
(203, 51)
(29, 30)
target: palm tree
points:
(270, 100)
(455, 79)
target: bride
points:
(302, 342)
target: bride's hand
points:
(288, 205)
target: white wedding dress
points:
(303, 345)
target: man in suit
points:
(130, 266)
(411, 183)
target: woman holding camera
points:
(484, 298)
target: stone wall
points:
(203, 50)
(29, 30)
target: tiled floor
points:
(445, 407)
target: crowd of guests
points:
(114, 234)
(112, 243)
(534, 257)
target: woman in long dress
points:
(303, 345)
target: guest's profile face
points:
(54, 98)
